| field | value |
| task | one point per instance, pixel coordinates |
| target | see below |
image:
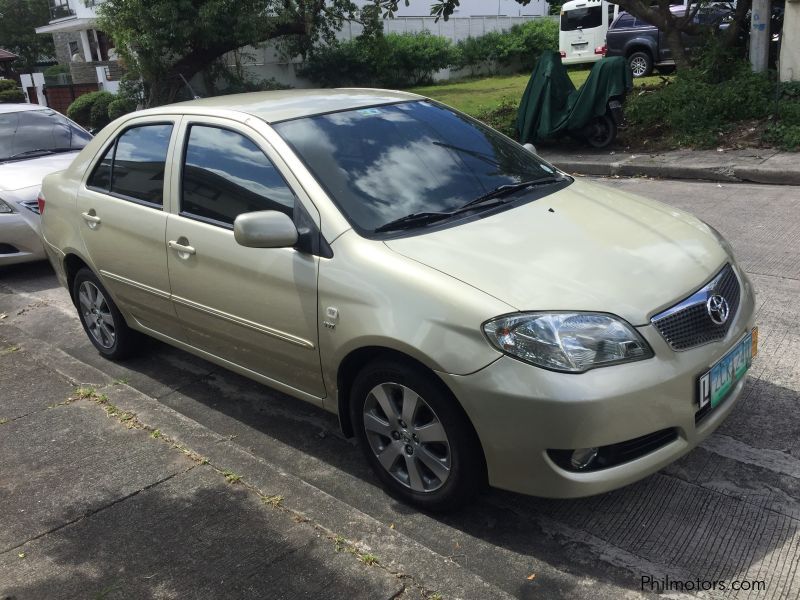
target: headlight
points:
(573, 342)
(5, 208)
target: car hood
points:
(585, 247)
(19, 174)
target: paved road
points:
(728, 511)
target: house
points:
(88, 51)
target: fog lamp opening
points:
(583, 457)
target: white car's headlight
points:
(5, 208)
(572, 342)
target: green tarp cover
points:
(552, 106)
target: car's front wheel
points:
(100, 317)
(415, 436)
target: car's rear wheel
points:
(641, 64)
(416, 438)
(100, 317)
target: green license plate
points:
(715, 384)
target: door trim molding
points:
(136, 284)
(276, 333)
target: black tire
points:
(601, 131)
(466, 475)
(641, 64)
(103, 323)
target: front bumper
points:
(520, 411)
(19, 242)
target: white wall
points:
(471, 8)
(790, 43)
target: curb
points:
(397, 553)
(721, 173)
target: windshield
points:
(381, 164)
(31, 133)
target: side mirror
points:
(264, 229)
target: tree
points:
(18, 19)
(167, 41)
(655, 12)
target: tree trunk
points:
(674, 40)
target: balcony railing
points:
(60, 11)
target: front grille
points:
(8, 249)
(688, 323)
(620, 453)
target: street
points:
(727, 512)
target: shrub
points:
(10, 92)
(119, 107)
(98, 115)
(390, 60)
(56, 70)
(519, 47)
(80, 110)
(503, 117)
(694, 110)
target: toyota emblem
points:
(718, 309)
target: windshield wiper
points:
(425, 218)
(413, 220)
(507, 189)
(44, 151)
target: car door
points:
(121, 205)
(254, 307)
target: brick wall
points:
(59, 97)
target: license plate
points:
(580, 46)
(715, 384)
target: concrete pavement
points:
(728, 511)
(757, 165)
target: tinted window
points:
(581, 18)
(225, 174)
(138, 167)
(31, 133)
(101, 177)
(380, 164)
(624, 21)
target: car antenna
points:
(188, 85)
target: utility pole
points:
(760, 35)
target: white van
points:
(583, 28)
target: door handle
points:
(183, 250)
(91, 220)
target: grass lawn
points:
(475, 94)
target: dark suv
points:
(645, 47)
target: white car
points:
(34, 141)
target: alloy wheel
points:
(97, 314)
(638, 66)
(407, 437)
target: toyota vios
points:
(471, 314)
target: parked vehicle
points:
(644, 46)
(583, 28)
(34, 141)
(551, 107)
(470, 313)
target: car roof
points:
(9, 108)
(573, 4)
(284, 105)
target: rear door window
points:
(226, 174)
(625, 22)
(582, 18)
(133, 167)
